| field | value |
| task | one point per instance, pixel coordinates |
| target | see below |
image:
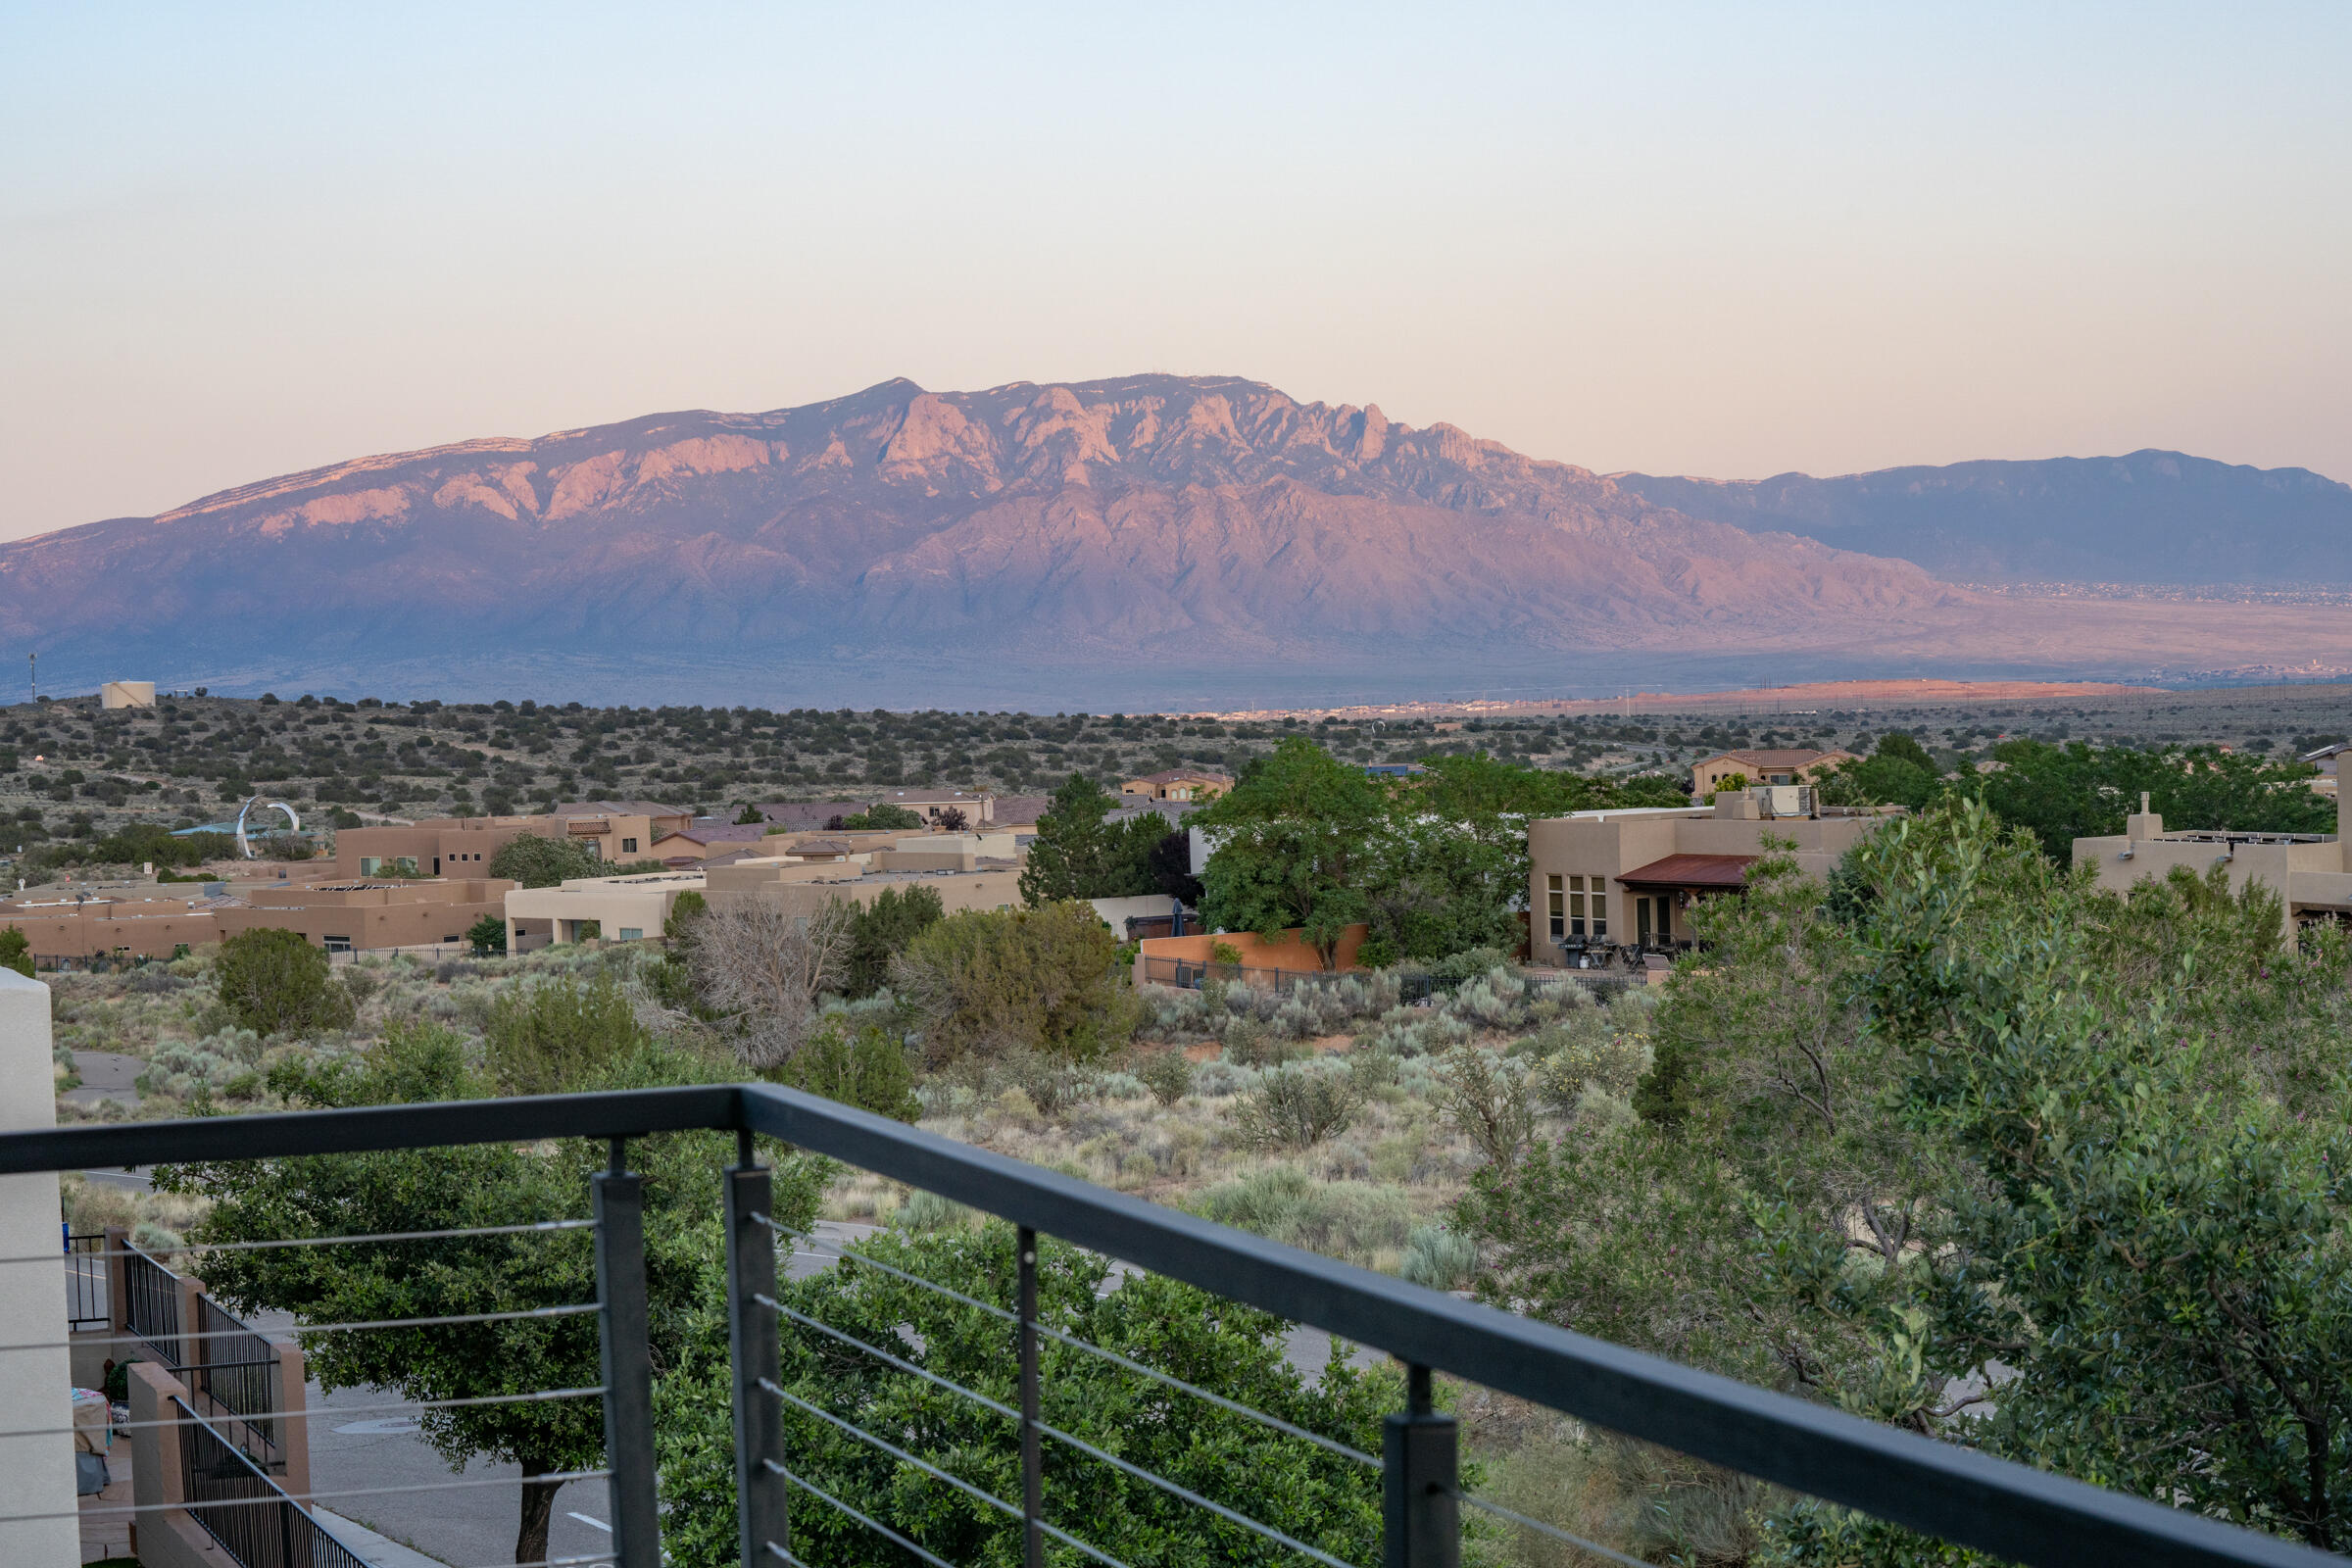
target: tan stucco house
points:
(1630, 877)
(2311, 872)
(1795, 765)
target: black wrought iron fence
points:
(243, 1509)
(1059, 1496)
(237, 1371)
(151, 1304)
(1190, 974)
(89, 1305)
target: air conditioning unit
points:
(1787, 799)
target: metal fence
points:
(1191, 974)
(151, 1303)
(240, 1507)
(89, 1305)
(1056, 1498)
(237, 1371)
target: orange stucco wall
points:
(1287, 953)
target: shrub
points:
(926, 1212)
(862, 1066)
(1168, 1074)
(487, 936)
(881, 932)
(544, 1037)
(16, 951)
(990, 982)
(1224, 953)
(1297, 1107)
(1486, 1097)
(274, 982)
(1339, 1219)
(1439, 1258)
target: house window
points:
(628, 846)
(1600, 911)
(369, 865)
(1558, 909)
(632, 933)
(1576, 905)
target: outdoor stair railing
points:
(1942, 1490)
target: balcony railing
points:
(1942, 1490)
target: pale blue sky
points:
(1707, 239)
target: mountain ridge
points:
(2152, 515)
(1107, 534)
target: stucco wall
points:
(37, 1474)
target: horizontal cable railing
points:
(803, 1455)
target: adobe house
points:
(2311, 872)
(1630, 877)
(1179, 784)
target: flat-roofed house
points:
(2310, 872)
(1629, 878)
(1179, 784)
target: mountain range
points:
(1133, 540)
(2150, 516)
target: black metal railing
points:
(246, 1512)
(89, 1305)
(237, 1371)
(151, 1305)
(1944, 1490)
(1191, 974)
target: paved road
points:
(105, 1075)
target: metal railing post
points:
(1033, 1465)
(761, 1501)
(627, 1362)
(1421, 1508)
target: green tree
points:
(880, 818)
(1293, 847)
(748, 816)
(274, 982)
(554, 1034)
(1450, 866)
(487, 936)
(1233, 1350)
(468, 1186)
(989, 982)
(537, 861)
(2062, 793)
(1898, 772)
(16, 951)
(2152, 1238)
(881, 931)
(1071, 856)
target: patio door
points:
(1642, 922)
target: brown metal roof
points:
(1690, 871)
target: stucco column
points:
(155, 1467)
(293, 1422)
(37, 1474)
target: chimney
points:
(2143, 823)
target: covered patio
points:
(1663, 890)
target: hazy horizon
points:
(1713, 242)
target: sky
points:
(1727, 240)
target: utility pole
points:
(33, 670)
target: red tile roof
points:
(1690, 871)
